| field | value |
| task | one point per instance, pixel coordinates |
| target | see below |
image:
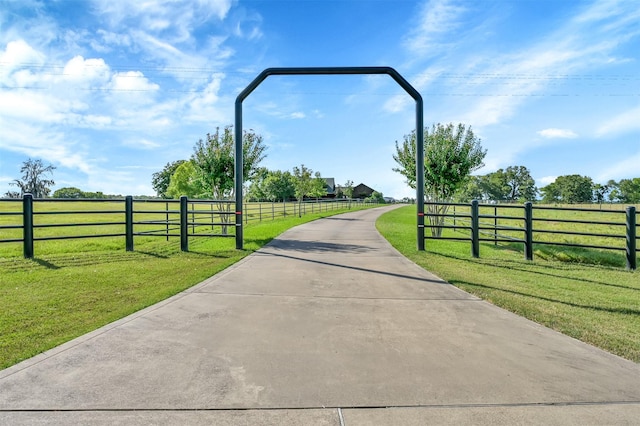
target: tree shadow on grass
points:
(56, 262)
(570, 255)
(516, 266)
(624, 311)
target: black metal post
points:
(184, 224)
(528, 230)
(27, 225)
(475, 229)
(166, 207)
(495, 225)
(631, 238)
(128, 222)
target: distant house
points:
(330, 187)
(362, 191)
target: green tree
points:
(575, 189)
(569, 189)
(184, 181)
(614, 191)
(451, 154)
(375, 197)
(69, 192)
(319, 187)
(347, 189)
(471, 190)
(550, 193)
(213, 159)
(629, 190)
(599, 192)
(33, 182)
(279, 186)
(520, 184)
(160, 180)
(511, 184)
(304, 183)
(255, 192)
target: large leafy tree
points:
(569, 189)
(629, 190)
(550, 193)
(273, 185)
(519, 184)
(511, 184)
(213, 159)
(451, 154)
(306, 183)
(160, 180)
(33, 179)
(184, 181)
(69, 192)
(279, 186)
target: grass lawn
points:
(75, 286)
(597, 304)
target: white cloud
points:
(297, 115)
(545, 180)
(132, 81)
(626, 122)
(436, 20)
(159, 15)
(622, 169)
(80, 69)
(588, 40)
(557, 133)
(397, 103)
(19, 52)
(141, 144)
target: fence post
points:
(631, 238)
(193, 218)
(475, 231)
(184, 224)
(495, 225)
(528, 230)
(27, 225)
(166, 207)
(128, 222)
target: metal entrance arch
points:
(239, 178)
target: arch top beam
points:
(239, 161)
(330, 71)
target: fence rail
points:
(28, 220)
(531, 225)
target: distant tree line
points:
(209, 173)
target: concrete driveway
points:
(326, 325)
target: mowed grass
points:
(72, 287)
(597, 304)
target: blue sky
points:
(110, 91)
